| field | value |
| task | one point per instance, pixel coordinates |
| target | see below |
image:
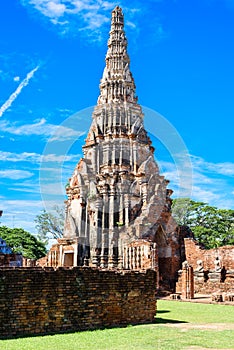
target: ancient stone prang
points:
(118, 211)
(116, 193)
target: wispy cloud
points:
(225, 168)
(15, 94)
(12, 63)
(41, 128)
(35, 157)
(22, 213)
(74, 16)
(212, 182)
(90, 18)
(15, 174)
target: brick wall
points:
(194, 253)
(208, 285)
(40, 301)
(213, 268)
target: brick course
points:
(42, 301)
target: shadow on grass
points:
(166, 320)
(91, 329)
(162, 311)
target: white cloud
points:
(35, 157)
(222, 168)
(88, 14)
(203, 194)
(41, 128)
(131, 24)
(107, 5)
(94, 22)
(38, 128)
(22, 213)
(19, 157)
(85, 17)
(62, 133)
(16, 78)
(15, 94)
(52, 184)
(55, 9)
(48, 8)
(225, 169)
(212, 182)
(56, 188)
(25, 189)
(21, 205)
(15, 174)
(58, 158)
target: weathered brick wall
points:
(194, 253)
(208, 286)
(215, 271)
(40, 301)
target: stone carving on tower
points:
(116, 195)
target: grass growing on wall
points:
(179, 325)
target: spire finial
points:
(117, 12)
(117, 83)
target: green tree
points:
(21, 241)
(50, 224)
(212, 227)
(181, 209)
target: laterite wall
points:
(40, 301)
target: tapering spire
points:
(116, 194)
(117, 83)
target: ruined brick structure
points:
(213, 269)
(40, 301)
(208, 259)
(118, 212)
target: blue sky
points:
(51, 61)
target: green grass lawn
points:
(179, 325)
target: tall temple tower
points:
(116, 195)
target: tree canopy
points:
(23, 242)
(50, 224)
(212, 227)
